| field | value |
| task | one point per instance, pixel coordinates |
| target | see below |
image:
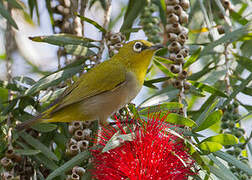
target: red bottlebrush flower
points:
(153, 153)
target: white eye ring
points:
(138, 47)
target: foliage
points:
(219, 69)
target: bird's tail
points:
(30, 122)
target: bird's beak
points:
(156, 47)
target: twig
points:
(9, 46)
(227, 75)
(83, 6)
(105, 26)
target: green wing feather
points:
(104, 77)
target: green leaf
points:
(133, 9)
(238, 89)
(38, 145)
(244, 61)
(207, 108)
(157, 80)
(163, 60)
(225, 170)
(238, 18)
(92, 22)
(24, 79)
(224, 139)
(53, 79)
(44, 127)
(15, 4)
(64, 39)
(169, 106)
(208, 146)
(219, 173)
(198, 158)
(164, 69)
(192, 59)
(76, 160)
(4, 12)
(40, 158)
(208, 88)
(27, 152)
(164, 94)
(211, 119)
(206, 69)
(177, 119)
(229, 37)
(232, 160)
(78, 50)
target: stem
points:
(227, 75)
(9, 46)
(182, 97)
(107, 15)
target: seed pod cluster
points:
(115, 42)
(177, 34)
(150, 23)
(76, 173)
(79, 142)
(228, 7)
(15, 167)
(229, 123)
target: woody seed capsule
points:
(183, 17)
(172, 18)
(174, 68)
(178, 10)
(173, 28)
(172, 36)
(79, 135)
(169, 9)
(184, 52)
(185, 4)
(172, 2)
(174, 47)
(182, 38)
(179, 59)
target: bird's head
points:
(136, 55)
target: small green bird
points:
(104, 89)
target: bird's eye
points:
(138, 47)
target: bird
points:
(104, 89)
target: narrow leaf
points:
(208, 147)
(76, 160)
(208, 88)
(238, 18)
(227, 38)
(234, 161)
(244, 61)
(161, 107)
(44, 127)
(27, 152)
(78, 50)
(4, 12)
(38, 145)
(224, 139)
(133, 9)
(222, 167)
(179, 120)
(64, 39)
(163, 60)
(15, 4)
(213, 118)
(92, 22)
(219, 173)
(164, 69)
(193, 58)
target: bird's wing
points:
(104, 77)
